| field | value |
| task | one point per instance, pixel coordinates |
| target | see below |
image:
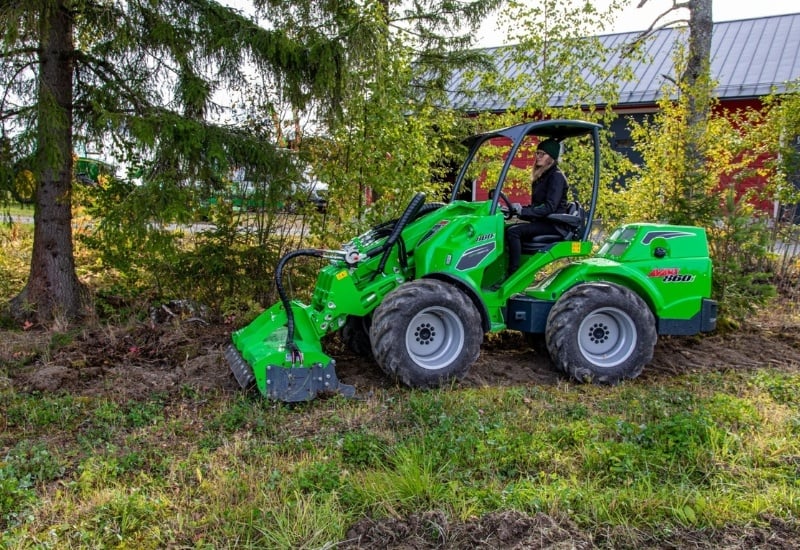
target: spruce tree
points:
(139, 76)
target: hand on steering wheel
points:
(508, 208)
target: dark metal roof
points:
(749, 58)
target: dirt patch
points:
(507, 530)
(133, 363)
(137, 361)
(514, 530)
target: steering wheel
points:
(508, 210)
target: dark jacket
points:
(548, 195)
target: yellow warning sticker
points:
(576, 247)
(341, 275)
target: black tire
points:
(426, 333)
(601, 333)
(355, 335)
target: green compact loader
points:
(418, 293)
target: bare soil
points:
(135, 362)
(511, 530)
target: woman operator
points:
(548, 196)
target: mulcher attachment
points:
(284, 370)
(290, 384)
(281, 350)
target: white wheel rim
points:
(607, 337)
(435, 338)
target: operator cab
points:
(498, 169)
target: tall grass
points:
(701, 451)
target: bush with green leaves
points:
(739, 148)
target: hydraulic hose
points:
(411, 211)
(287, 304)
(408, 215)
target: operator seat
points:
(569, 226)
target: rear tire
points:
(601, 333)
(426, 333)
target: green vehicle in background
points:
(419, 293)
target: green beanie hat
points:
(551, 147)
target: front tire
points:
(426, 333)
(355, 335)
(601, 332)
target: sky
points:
(638, 19)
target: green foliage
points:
(362, 450)
(301, 521)
(386, 153)
(740, 247)
(225, 266)
(556, 55)
(736, 147)
(25, 466)
(15, 495)
(159, 118)
(668, 188)
(781, 129)
(554, 51)
(411, 480)
(121, 516)
(318, 477)
(44, 411)
(782, 387)
(34, 462)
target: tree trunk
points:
(53, 291)
(697, 83)
(698, 67)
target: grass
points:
(16, 241)
(221, 470)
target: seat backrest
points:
(576, 209)
(571, 223)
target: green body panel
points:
(668, 266)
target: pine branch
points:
(20, 69)
(13, 113)
(101, 68)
